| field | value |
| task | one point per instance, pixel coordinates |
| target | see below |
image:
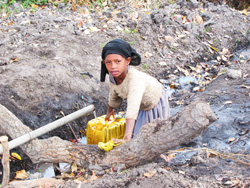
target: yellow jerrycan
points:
(99, 130)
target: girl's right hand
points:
(109, 114)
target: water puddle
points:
(185, 82)
(47, 169)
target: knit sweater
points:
(141, 90)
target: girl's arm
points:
(110, 113)
(130, 124)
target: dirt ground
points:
(50, 61)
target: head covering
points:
(121, 47)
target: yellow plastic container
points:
(100, 131)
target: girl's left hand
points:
(118, 141)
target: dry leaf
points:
(73, 5)
(33, 6)
(11, 23)
(185, 72)
(22, 174)
(181, 172)
(211, 154)
(181, 36)
(192, 68)
(199, 19)
(213, 48)
(119, 28)
(92, 178)
(184, 19)
(148, 54)
(228, 102)
(80, 179)
(85, 11)
(165, 157)
(197, 88)
(95, 29)
(169, 38)
(231, 140)
(147, 175)
(80, 24)
(202, 89)
(244, 86)
(15, 59)
(244, 12)
(171, 155)
(74, 167)
(162, 63)
(229, 182)
(15, 155)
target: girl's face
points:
(117, 66)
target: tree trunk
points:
(154, 139)
(5, 160)
(42, 183)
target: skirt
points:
(161, 110)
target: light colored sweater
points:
(141, 90)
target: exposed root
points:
(241, 158)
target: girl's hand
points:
(130, 124)
(118, 141)
(110, 113)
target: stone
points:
(234, 74)
(196, 160)
(95, 167)
(120, 167)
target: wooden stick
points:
(5, 160)
(70, 127)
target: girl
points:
(146, 97)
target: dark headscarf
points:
(121, 47)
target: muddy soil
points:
(50, 61)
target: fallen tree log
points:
(154, 139)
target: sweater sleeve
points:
(114, 100)
(137, 88)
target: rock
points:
(196, 160)
(59, 20)
(163, 63)
(157, 16)
(120, 167)
(107, 14)
(35, 175)
(162, 170)
(95, 167)
(248, 17)
(193, 4)
(191, 16)
(61, 5)
(234, 74)
(122, 15)
(16, 6)
(100, 173)
(178, 19)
